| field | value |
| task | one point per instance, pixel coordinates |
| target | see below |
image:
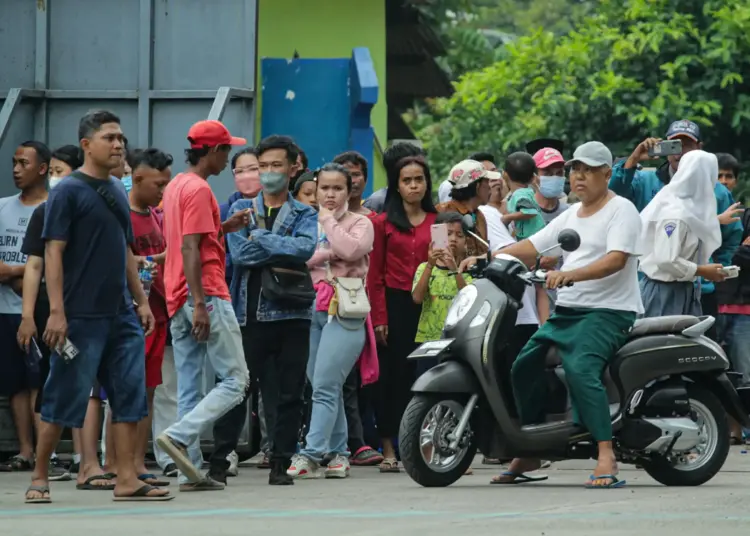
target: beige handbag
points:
(351, 297)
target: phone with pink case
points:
(439, 233)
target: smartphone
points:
(439, 233)
(68, 351)
(730, 272)
(666, 148)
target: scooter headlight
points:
(461, 305)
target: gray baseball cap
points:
(592, 153)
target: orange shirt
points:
(190, 208)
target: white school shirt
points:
(616, 227)
(499, 237)
(673, 253)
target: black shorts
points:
(15, 374)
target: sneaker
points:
(265, 462)
(171, 470)
(58, 472)
(366, 456)
(303, 468)
(338, 467)
(234, 463)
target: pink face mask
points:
(247, 183)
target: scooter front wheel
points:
(424, 441)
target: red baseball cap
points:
(211, 133)
(544, 158)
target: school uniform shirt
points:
(500, 237)
(616, 227)
(673, 253)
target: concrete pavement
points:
(370, 503)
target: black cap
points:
(542, 143)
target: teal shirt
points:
(640, 187)
(523, 201)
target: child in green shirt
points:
(523, 210)
(437, 281)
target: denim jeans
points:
(734, 332)
(335, 347)
(110, 349)
(224, 351)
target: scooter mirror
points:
(569, 240)
(467, 222)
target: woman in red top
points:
(402, 238)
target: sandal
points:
(734, 440)
(207, 484)
(44, 490)
(509, 477)
(389, 465)
(17, 463)
(152, 480)
(142, 495)
(613, 484)
(89, 485)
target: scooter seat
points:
(662, 325)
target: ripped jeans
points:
(224, 351)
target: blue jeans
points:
(224, 351)
(110, 349)
(734, 331)
(334, 350)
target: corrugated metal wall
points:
(160, 65)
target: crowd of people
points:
(114, 275)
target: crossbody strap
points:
(110, 201)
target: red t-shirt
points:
(190, 208)
(149, 241)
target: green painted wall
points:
(326, 29)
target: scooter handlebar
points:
(538, 277)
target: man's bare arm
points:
(523, 251)
(53, 274)
(191, 263)
(31, 280)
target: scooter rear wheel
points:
(691, 469)
(423, 441)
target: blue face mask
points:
(551, 187)
(273, 182)
(127, 181)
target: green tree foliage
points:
(623, 73)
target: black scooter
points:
(668, 387)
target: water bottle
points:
(145, 275)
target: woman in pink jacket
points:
(344, 245)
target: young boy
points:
(523, 210)
(151, 174)
(437, 281)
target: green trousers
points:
(587, 339)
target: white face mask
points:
(54, 181)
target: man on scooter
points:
(598, 301)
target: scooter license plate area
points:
(431, 349)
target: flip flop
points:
(142, 495)
(154, 478)
(39, 500)
(180, 457)
(207, 484)
(616, 483)
(88, 486)
(389, 465)
(518, 478)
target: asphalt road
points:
(370, 503)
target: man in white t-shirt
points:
(593, 317)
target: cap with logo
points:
(684, 128)
(592, 153)
(211, 133)
(548, 156)
(467, 172)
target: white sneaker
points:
(338, 467)
(234, 462)
(303, 468)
